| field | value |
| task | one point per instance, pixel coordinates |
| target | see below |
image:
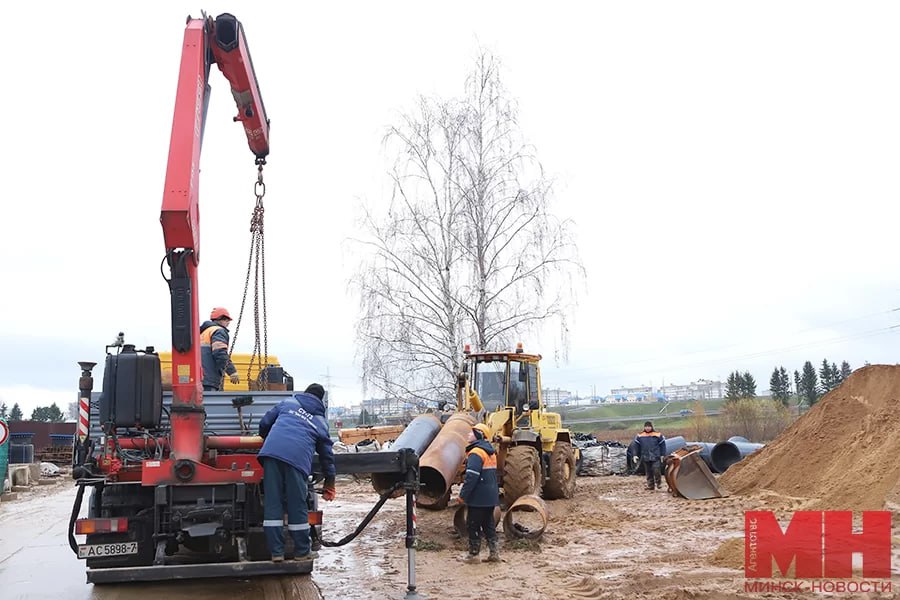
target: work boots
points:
(494, 556)
(474, 551)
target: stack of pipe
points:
(725, 454)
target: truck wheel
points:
(561, 483)
(521, 473)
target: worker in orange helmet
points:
(214, 339)
(480, 493)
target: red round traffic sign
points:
(4, 432)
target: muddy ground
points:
(614, 539)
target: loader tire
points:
(561, 482)
(521, 473)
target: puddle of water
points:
(343, 572)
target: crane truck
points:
(171, 496)
(175, 487)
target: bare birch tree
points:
(468, 250)
(409, 330)
(514, 247)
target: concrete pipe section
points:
(459, 520)
(417, 436)
(442, 461)
(520, 522)
(725, 454)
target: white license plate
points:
(98, 550)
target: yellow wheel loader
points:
(535, 454)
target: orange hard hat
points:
(219, 313)
(485, 430)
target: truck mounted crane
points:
(169, 498)
(175, 482)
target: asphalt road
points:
(36, 562)
(653, 417)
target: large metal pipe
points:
(725, 454)
(417, 436)
(531, 504)
(442, 460)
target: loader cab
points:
(506, 379)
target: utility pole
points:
(327, 378)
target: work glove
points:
(234, 378)
(460, 501)
(636, 459)
(329, 492)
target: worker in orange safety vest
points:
(480, 493)
(214, 338)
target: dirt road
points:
(613, 540)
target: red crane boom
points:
(206, 41)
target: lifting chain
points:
(256, 266)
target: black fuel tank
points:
(132, 389)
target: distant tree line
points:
(740, 385)
(809, 384)
(47, 414)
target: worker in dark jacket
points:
(651, 446)
(214, 357)
(480, 493)
(293, 430)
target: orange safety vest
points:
(206, 338)
(488, 461)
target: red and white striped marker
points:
(84, 418)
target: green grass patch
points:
(429, 545)
(522, 545)
(609, 411)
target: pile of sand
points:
(730, 554)
(844, 452)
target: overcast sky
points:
(731, 169)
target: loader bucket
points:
(688, 476)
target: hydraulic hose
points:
(350, 537)
(76, 508)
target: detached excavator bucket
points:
(689, 477)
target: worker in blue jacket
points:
(481, 493)
(293, 430)
(651, 446)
